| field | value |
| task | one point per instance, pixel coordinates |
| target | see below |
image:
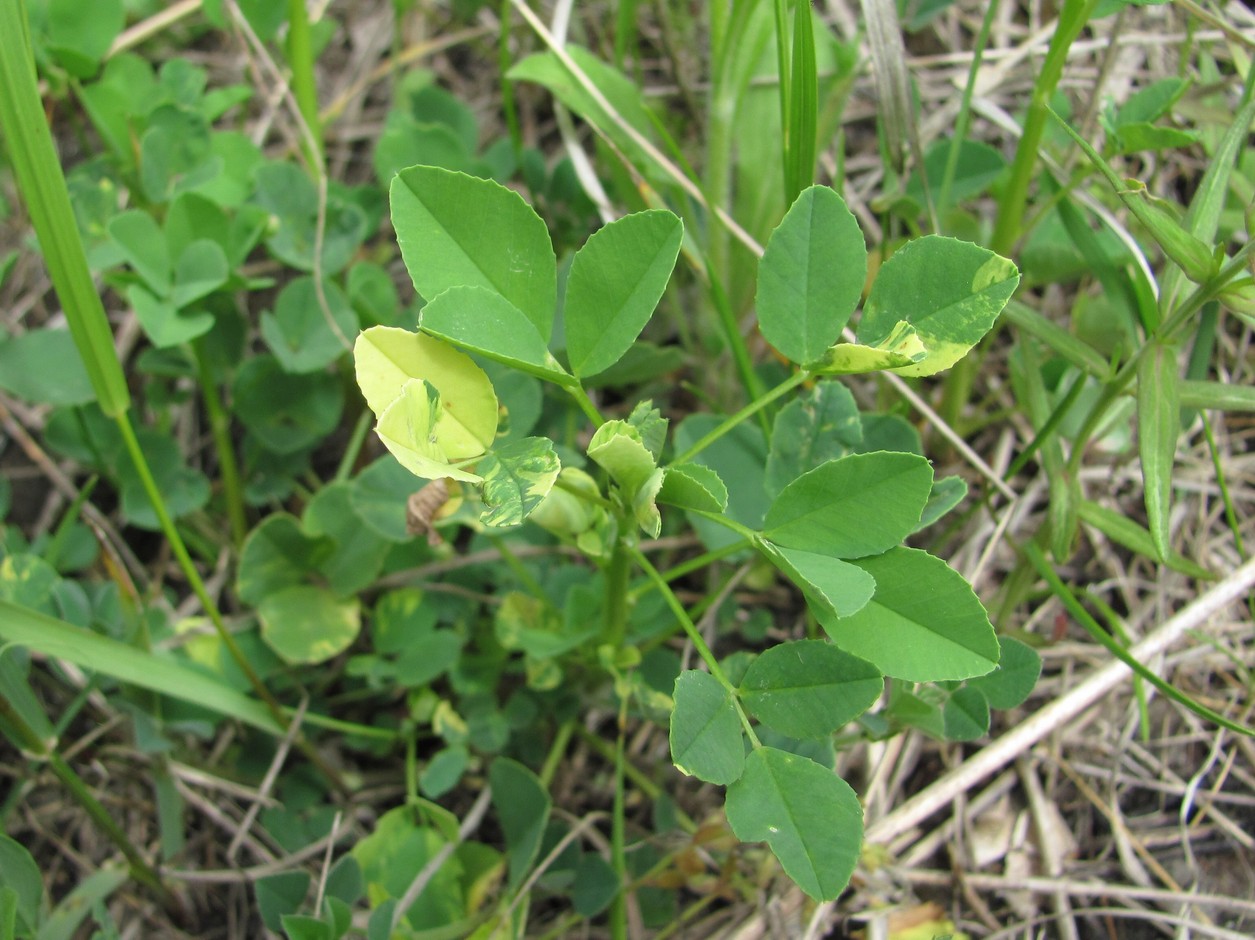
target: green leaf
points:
(808, 815)
(80, 36)
(738, 457)
(946, 493)
(706, 738)
(183, 489)
(902, 347)
(409, 428)
(304, 927)
(379, 497)
(160, 673)
(286, 412)
(809, 689)
(276, 555)
(615, 283)
(965, 716)
(830, 584)
(202, 268)
(477, 319)
(1158, 424)
(522, 806)
(281, 894)
(528, 623)
(978, 166)
(923, 624)
(693, 486)
(459, 231)
(858, 505)
(949, 291)
(811, 275)
(308, 624)
(810, 430)
(143, 246)
(303, 336)
(164, 323)
(443, 771)
(1012, 682)
(1124, 531)
(359, 552)
(386, 358)
(652, 426)
(66, 918)
(622, 93)
(516, 478)
(617, 448)
(20, 874)
(26, 369)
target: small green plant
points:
(826, 504)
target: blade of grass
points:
(1203, 217)
(1073, 16)
(1124, 531)
(1158, 426)
(38, 172)
(300, 53)
(964, 119)
(1103, 638)
(802, 117)
(123, 662)
(28, 740)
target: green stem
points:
(345, 468)
(792, 382)
(586, 404)
(696, 563)
(41, 182)
(694, 635)
(964, 119)
(1182, 315)
(557, 751)
(737, 346)
(220, 428)
(1073, 16)
(188, 568)
(618, 834)
(304, 88)
(618, 574)
(30, 741)
(1092, 627)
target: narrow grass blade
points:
(1158, 425)
(803, 106)
(1074, 350)
(42, 184)
(1217, 396)
(61, 640)
(1095, 630)
(1073, 15)
(1124, 531)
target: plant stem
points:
(699, 642)
(354, 447)
(42, 185)
(220, 428)
(964, 119)
(618, 573)
(618, 835)
(1073, 16)
(301, 60)
(140, 868)
(792, 382)
(557, 750)
(188, 567)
